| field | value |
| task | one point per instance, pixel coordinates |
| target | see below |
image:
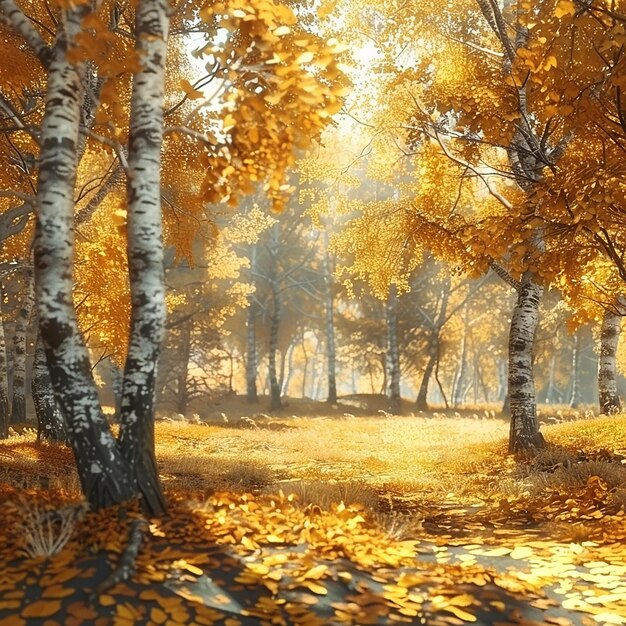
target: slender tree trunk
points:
(182, 388)
(422, 395)
(607, 364)
(433, 348)
(524, 433)
(551, 389)
(287, 378)
(393, 355)
(50, 421)
(503, 384)
(22, 324)
(252, 363)
(103, 473)
(4, 376)
(305, 368)
(574, 399)
(331, 354)
(275, 402)
(461, 380)
(145, 252)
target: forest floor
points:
(331, 519)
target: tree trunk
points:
(145, 252)
(50, 421)
(331, 354)
(460, 387)
(524, 433)
(574, 399)
(551, 390)
(607, 364)
(393, 356)
(252, 363)
(103, 473)
(117, 385)
(182, 389)
(422, 395)
(287, 379)
(275, 402)
(433, 348)
(22, 324)
(4, 377)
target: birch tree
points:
(115, 470)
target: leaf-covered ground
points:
(438, 527)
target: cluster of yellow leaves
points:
(283, 86)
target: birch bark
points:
(18, 404)
(607, 364)
(524, 432)
(100, 465)
(50, 421)
(4, 377)
(145, 253)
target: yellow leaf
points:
(42, 608)
(190, 92)
(316, 588)
(565, 7)
(521, 552)
(460, 613)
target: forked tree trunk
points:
(252, 363)
(393, 355)
(4, 377)
(102, 471)
(145, 253)
(422, 395)
(22, 324)
(607, 364)
(524, 433)
(50, 421)
(331, 354)
(421, 403)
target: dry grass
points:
(425, 460)
(45, 531)
(423, 456)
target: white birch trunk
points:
(99, 463)
(252, 363)
(607, 364)
(524, 433)
(22, 324)
(50, 421)
(275, 401)
(574, 399)
(145, 252)
(331, 353)
(4, 377)
(393, 355)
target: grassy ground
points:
(443, 482)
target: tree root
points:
(126, 566)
